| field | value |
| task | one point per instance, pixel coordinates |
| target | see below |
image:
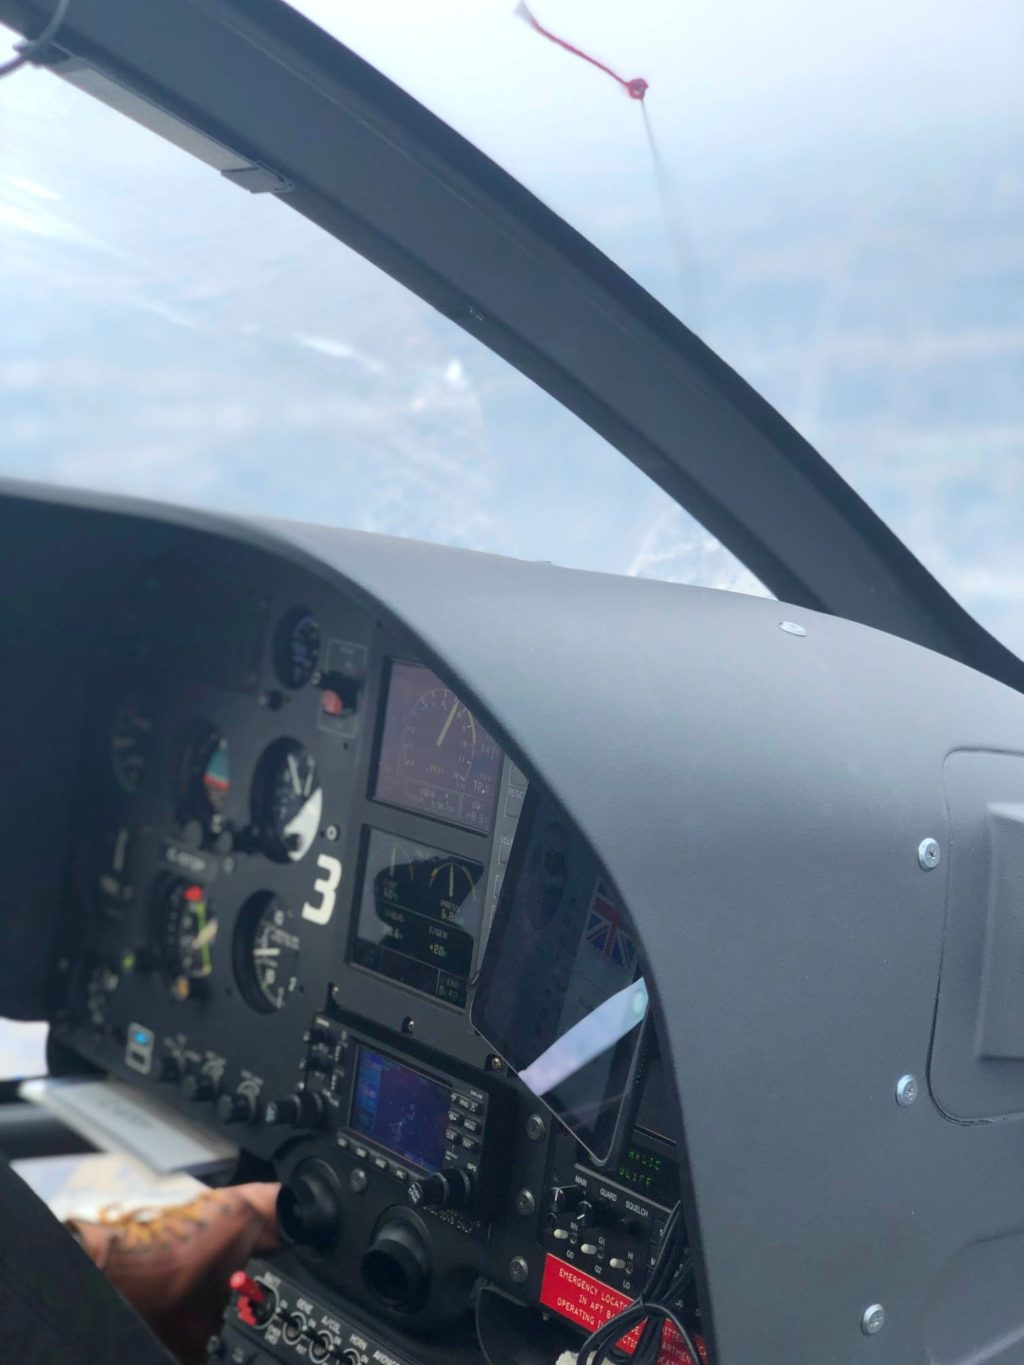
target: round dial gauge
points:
(452, 890)
(131, 741)
(288, 800)
(208, 774)
(297, 647)
(439, 739)
(185, 931)
(267, 952)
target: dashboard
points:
(295, 844)
(522, 923)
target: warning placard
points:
(589, 1303)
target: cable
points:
(29, 48)
(669, 1277)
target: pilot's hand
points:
(173, 1264)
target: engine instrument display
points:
(400, 1109)
(435, 756)
(184, 932)
(266, 952)
(418, 916)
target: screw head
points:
(518, 1270)
(536, 1128)
(928, 854)
(792, 628)
(331, 833)
(525, 1203)
(873, 1320)
(907, 1090)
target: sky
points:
(839, 216)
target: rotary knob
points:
(301, 1109)
(309, 1206)
(238, 1108)
(198, 1086)
(443, 1190)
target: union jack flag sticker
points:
(606, 929)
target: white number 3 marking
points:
(325, 888)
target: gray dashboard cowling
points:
(759, 798)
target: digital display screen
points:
(418, 916)
(561, 995)
(435, 756)
(648, 1172)
(400, 1109)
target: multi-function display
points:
(418, 916)
(400, 1109)
(435, 756)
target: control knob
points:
(309, 1206)
(443, 1190)
(169, 1069)
(198, 1086)
(238, 1108)
(301, 1109)
(320, 1058)
(396, 1267)
(565, 1198)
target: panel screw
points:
(331, 832)
(928, 854)
(535, 1127)
(525, 1203)
(792, 628)
(873, 1320)
(494, 1062)
(906, 1090)
(518, 1270)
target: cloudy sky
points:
(841, 219)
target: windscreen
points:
(562, 996)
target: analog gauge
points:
(288, 800)
(185, 932)
(266, 952)
(207, 775)
(297, 647)
(451, 890)
(439, 739)
(131, 741)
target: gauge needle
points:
(266, 952)
(448, 724)
(205, 936)
(293, 768)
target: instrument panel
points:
(297, 836)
